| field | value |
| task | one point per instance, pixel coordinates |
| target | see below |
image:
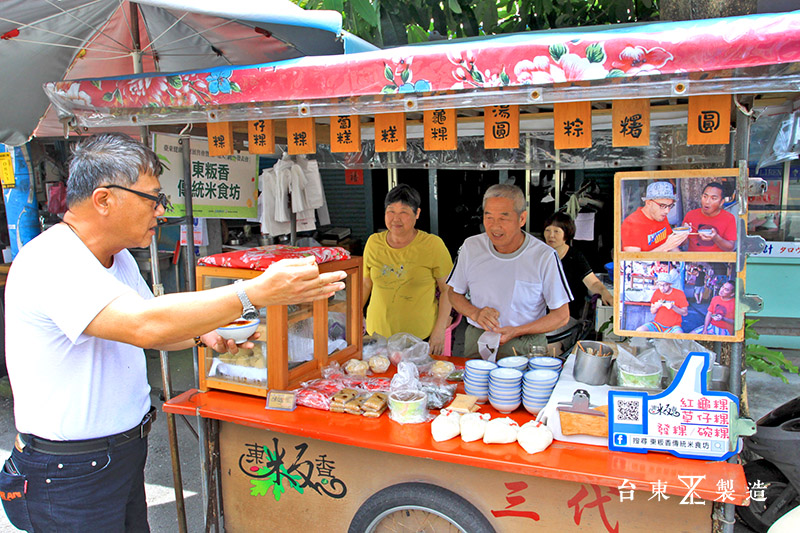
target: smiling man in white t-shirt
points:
(516, 284)
(78, 315)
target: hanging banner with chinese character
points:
(390, 132)
(220, 138)
(354, 176)
(631, 122)
(301, 135)
(222, 187)
(260, 137)
(440, 129)
(687, 419)
(572, 125)
(345, 134)
(501, 127)
(709, 119)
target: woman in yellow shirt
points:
(403, 267)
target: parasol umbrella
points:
(43, 40)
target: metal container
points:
(592, 369)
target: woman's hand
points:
(436, 341)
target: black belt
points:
(78, 447)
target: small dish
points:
(239, 330)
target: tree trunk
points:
(705, 9)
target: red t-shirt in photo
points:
(669, 317)
(724, 223)
(726, 308)
(639, 231)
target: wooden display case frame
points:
(279, 376)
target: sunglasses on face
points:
(161, 199)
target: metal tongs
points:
(579, 404)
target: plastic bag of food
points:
(411, 349)
(356, 367)
(534, 437)
(446, 426)
(442, 369)
(642, 371)
(473, 426)
(438, 391)
(378, 363)
(500, 431)
(374, 344)
(406, 378)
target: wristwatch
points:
(249, 311)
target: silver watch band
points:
(248, 309)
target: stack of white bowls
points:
(545, 362)
(476, 378)
(516, 362)
(505, 389)
(537, 386)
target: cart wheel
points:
(780, 496)
(418, 507)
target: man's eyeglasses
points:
(161, 199)
(666, 207)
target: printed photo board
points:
(675, 254)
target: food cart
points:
(548, 93)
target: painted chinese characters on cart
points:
(274, 469)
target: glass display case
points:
(296, 341)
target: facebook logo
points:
(620, 439)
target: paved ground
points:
(765, 393)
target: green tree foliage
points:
(396, 22)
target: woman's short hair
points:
(106, 159)
(405, 194)
(562, 220)
(506, 190)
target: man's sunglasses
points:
(161, 199)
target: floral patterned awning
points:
(737, 54)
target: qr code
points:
(627, 410)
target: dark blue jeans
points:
(101, 492)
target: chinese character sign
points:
(501, 127)
(709, 119)
(261, 137)
(222, 187)
(631, 122)
(345, 134)
(301, 136)
(572, 125)
(440, 129)
(220, 138)
(390, 132)
(687, 419)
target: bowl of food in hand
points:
(239, 330)
(705, 232)
(681, 230)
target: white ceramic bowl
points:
(505, 375)
(476, 391)
(512, 361)
(239, 330)
(479, 365)
(545, 362)
(504, 407)
(505, 394)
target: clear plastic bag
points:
(438, 391)
(641, 371)
(405, 347)
(374, 344)
(407, 403)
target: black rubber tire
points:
(763, 471)
(421, 496)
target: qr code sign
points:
(627, 410)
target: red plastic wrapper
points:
(317, 393)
